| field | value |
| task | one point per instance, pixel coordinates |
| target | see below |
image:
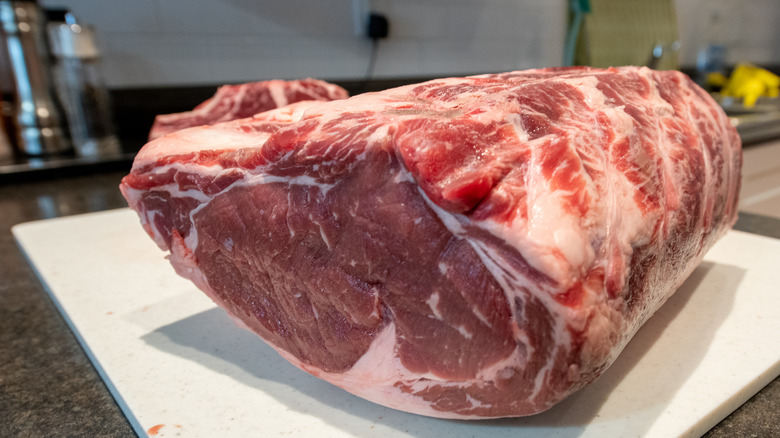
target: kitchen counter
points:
(48, 386)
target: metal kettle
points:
(39, 117)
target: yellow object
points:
(717, 79)
(749, 83)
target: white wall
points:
(186, 42)
(750, 29)
(170, 42)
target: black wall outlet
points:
(377, 27)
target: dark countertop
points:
(48, 386)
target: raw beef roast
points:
(233, 102)
(466, 247)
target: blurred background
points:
(148, 43)
(102, 70)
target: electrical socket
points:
(377, 26)
(368, 23)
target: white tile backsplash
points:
(748, 29)
(184, 42)
(168, 59)
(416, 19)
(474, 55)
(136, 16)
(334, 57)
(396, 57)
(250, 17)
(245, 58)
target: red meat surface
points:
(465, 247)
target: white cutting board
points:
(178, 366)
